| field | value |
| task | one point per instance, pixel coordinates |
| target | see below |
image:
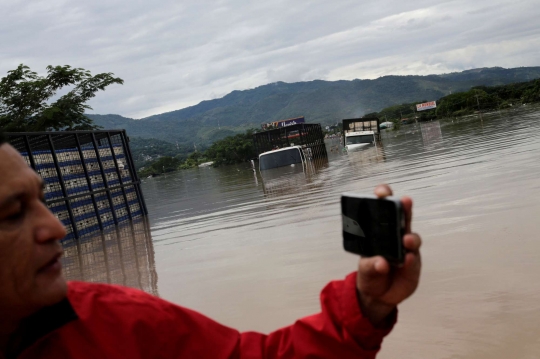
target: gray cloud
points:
(174, 54)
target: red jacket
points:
(106, 321)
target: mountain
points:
(318, 101)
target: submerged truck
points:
(360, 132)
(289, 145)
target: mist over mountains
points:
(318, 101)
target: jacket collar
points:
(41, 324)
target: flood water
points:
(253, 253)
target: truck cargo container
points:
(362, 125)
(309, 138)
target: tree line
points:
(477, 99)
(229, 150)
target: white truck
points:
(359, 140)
(288, 156)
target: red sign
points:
(426, 106)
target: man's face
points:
(30, 250)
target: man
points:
(42, 316)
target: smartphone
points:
(373, 226)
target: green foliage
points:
(25, 98)
(480, 98)
(147, 150)
(483, 98)
(193, 160)
(232, 149)
(162, 165)
(531, 94)
(397, 124)
(463, 103)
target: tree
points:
(532, 94)
(162, 165)
(193, 160)
(232, 149)
(26, 98)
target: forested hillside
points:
(146, 150)
(319, 101)
(160, 156)
(477, 99)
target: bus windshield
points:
(282, 158)
(355, 140)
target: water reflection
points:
(334, 148)
(367, 155)
(291, 179)
(431, 133)
(124, 256)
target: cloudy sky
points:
(174, 54)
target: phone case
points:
(372, 240)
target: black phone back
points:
(373, 226)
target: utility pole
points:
(478, 102)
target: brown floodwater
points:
(254, 251)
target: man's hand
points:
(382, 287)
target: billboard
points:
(426, 106)
(283, 123)
(290, 122)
